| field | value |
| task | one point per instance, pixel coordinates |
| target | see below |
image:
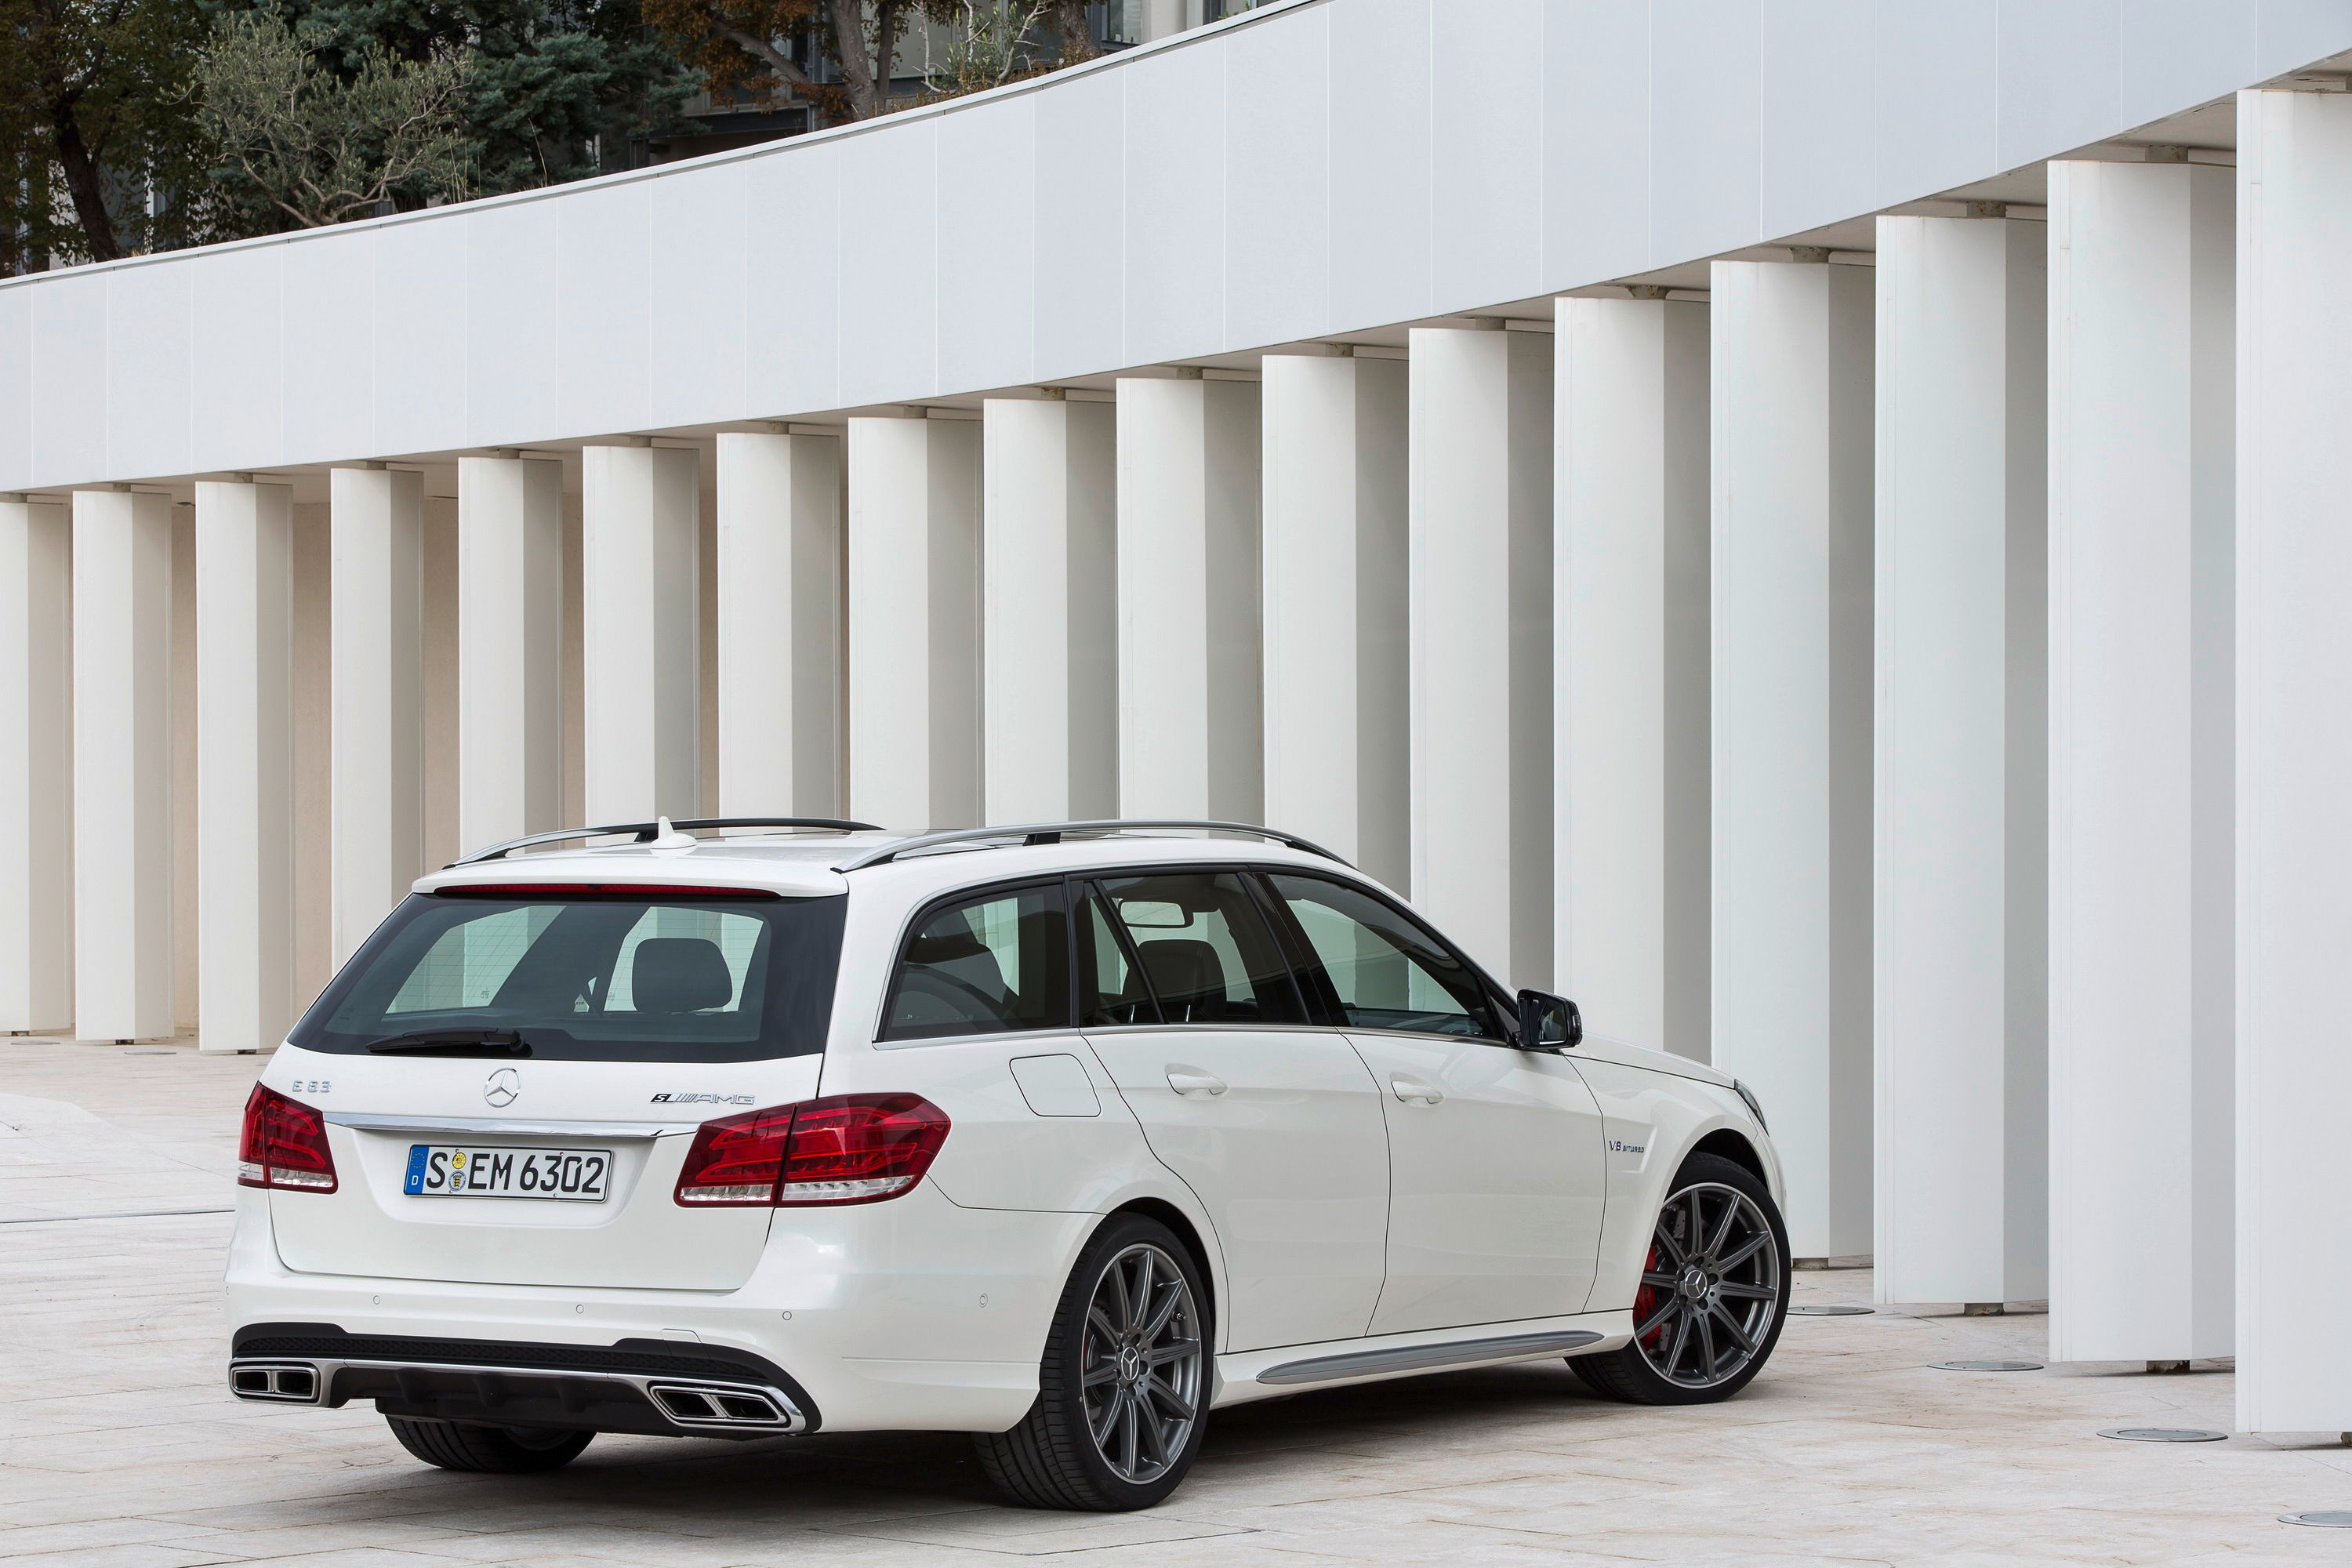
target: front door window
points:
(1386, 972)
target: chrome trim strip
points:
(1415, 1358)
(481, 1126)
(795, 1419)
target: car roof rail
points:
(648, 832)
(1054, 832)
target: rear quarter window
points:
(992, 963)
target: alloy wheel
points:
(1709, 1287)
(1139, 1373)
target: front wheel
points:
(494, 1450)
(1713, 1294)
(1123, 1390)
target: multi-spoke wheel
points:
(1122, 1391)
(1713, 1294)
(1141, 1369)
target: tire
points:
(494, 1450)
(1695, 1327)
(1152, 1384)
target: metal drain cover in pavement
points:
(1830, 1312)
(2162, 1434)
(1986, 1366)
(2338, 1518)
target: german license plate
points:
(459, 1171)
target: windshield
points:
(634, 977)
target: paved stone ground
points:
(117, 1443)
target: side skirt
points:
(1269, 1373)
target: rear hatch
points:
(511, 1075)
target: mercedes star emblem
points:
(503, 1087)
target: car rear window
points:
(638, 977)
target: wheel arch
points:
(1729, 1143)
(1177, 1220)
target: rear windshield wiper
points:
(454, 1043)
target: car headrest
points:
(945, 943)
(1185, 971)
(679, 975)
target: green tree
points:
(837, 55)
(991, 43)
(555, 90)
(316, 147)
(104, 150)
(98, 156)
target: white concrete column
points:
(779, 632)
(122, 765)
(641, 572)
(187, 1000)
(1189, 715)
(35, 768)
(376, 657)
(1336, 755)
(509, 649)
(245, 763)
(1480, 539)
(311, 654)
(1630, 680)
(437, 702)
(1049, 574)
(1790, 470)
(2141, 752)
(2293, 674)
(914, 621)
(1959, 734)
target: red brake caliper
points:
(1646, 1300)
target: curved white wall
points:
(1310, 168)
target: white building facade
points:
(1814, 531)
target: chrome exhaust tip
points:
(706, 1406)
(276, 1381)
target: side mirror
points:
(1549, 1023)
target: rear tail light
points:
(848, 1149)
(284, 1146)
(736, 1159)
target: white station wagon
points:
(1063, 1136)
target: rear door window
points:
(1205, 949)
(619, 978)
(987, 963)
(1111, 991)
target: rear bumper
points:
(906, 1315)
(656, 1387)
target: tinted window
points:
(1110, 988)
(1386, 970)
(983, 965)
(618, 979)
(1205, 949)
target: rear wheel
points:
(496, 1450)
(1123, 1390)
(1713, 1294)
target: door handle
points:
(1193, 1080)
(1412, 1089)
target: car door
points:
(1276, 1126)
(1495, 1168)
